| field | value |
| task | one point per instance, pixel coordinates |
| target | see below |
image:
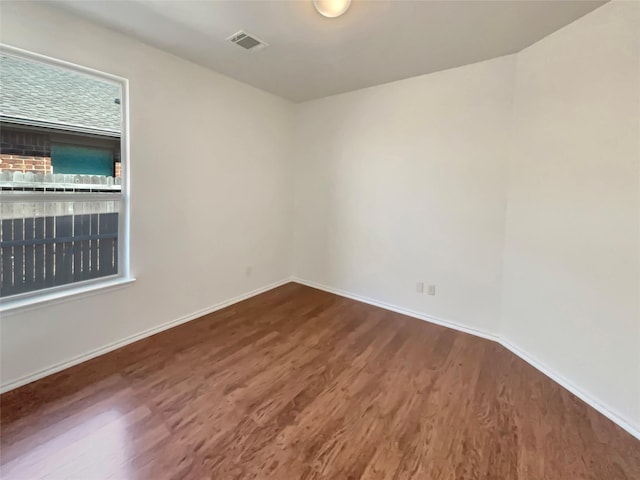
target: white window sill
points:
(10, 306)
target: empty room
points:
(327, 239)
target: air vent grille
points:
(247, 41)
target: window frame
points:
(58, 293)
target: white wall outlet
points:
(431, 290)
(420, 287)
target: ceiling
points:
(311, 56)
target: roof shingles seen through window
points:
(40, 92)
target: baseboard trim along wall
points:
(626, 425)
(614, 417)
(134, 338)
(394, 308)
(607, 412)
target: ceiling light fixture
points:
(332, 8)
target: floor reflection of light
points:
(93, 449)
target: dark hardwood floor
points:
(301, 384)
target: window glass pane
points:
(48, 244)
(41, 94)
(60, 129)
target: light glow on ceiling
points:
(332, 8)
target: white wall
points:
(571, 287)
(192, 240)
(406, 182)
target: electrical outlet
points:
(431, 290)
(420, 287)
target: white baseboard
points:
(559, 379)
(134, 338)
(607, 412)
(614, 417)
(394, 308)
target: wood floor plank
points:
(301, 384)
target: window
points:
(64, 200)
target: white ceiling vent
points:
(247, 41)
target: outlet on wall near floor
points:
(431, 289)
(420, 287)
